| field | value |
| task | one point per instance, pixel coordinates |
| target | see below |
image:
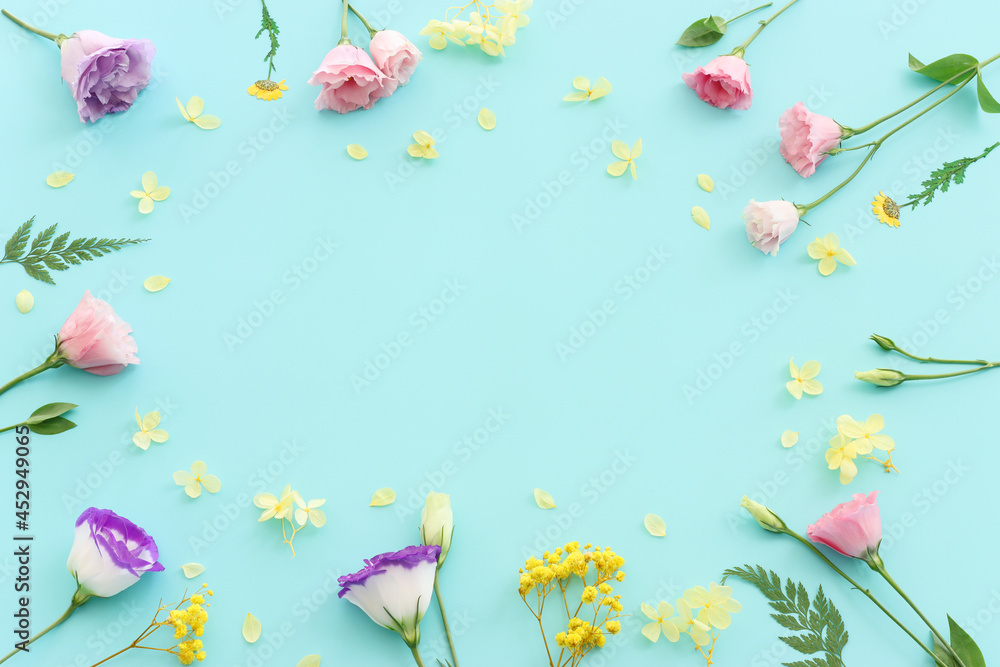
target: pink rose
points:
(853, 528)
(350, 80)
(104, 74)
(395, 56)
(806, 137)
(770, 223)
(95, 339)
(723, 83)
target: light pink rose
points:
(104, 74)
(723, 83)
(95, 339)
(806, 137)
(853, 528)
(350, 80)
(395, 55)
(770, 223)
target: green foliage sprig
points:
(941, 179)
(819, 624)
(267, 24)
(57, 253)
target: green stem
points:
(413, 649)
(740, 50)
(11, 428)
(52, 362)
(879, 567)
(343, 26)
(878, 144)
(839, 150)
(58, 39)
(270, 60)
(934, 360)
(951, 375)
(368, 26)
(751, 11)
(72, 607)
(867, 593)
(444, 618)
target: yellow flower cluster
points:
(190, 651)
(556, 570)
(491, 31)
(189, 623)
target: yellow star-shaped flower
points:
(828, 251)
(584, 91)
(627, 157)
(147, 430)
(803, 380)
(151, 192)
(196, 479)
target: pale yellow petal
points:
(700, 216)
(423, 138)
(415, 150)
(792, 368)
(141, 440)
(183, 110)
(827, 265)
(637, 148)
(145, 205)
(789, 438)
(582, 83)
(812, 387)
(601, 88)
(208, 122)
(874, 424)
(57, 179)
(575, 97)
(183, 477)
(845, 258)
(149, 181)
(651, 631)
(198, 468)
(631, 165)
(810, 369)
(655, 524)
(816, 249)
(193, 489)
(794, 388)
(138, 194)
(155, 283)
(883, 442)
(705, 182)
(430, 153)
(160, 193)
(195, 106)
(617, 168)
(317, 518)
(251, 628)
(620, 149)
(357, 151)
(831, 241)
(544, 500)
(211, 483)
(382, 497)
(487, 119)
(438, 41)
(24, 301)
(151, 420)
(158, 435)
(309, 661)
(847, 471)
(192, 570)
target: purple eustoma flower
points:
(109, 554)
(104, 74)
(394, 589)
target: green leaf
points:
(986, 100)
(965, 646)
(703, 32)
(52, 426)
(15, 246)
(48, 411)
(941, 179)
(941, 653)
(946, 68)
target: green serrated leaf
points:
(987, 102)
(965, 646)
(941, 179)
(703, 32)
(947, 68)
(15, 246)
(48, 411)
(52, 426)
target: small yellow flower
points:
(716, 603)
(196, 479)
(309, 512)
(488, 36)
(802, 380)
(662, 622)
(275, 508)
(151, 192)
(193, 113)
(584, 91)
(866, 436)
(147, 430)
(268, 90)
(514, 16)
(627, 157)
(886, 210)
(442, 32)
(424, 147)
(828, 251)
(841, 455)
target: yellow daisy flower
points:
(268, 90)
(803, 381)
(886, 210)
(828, 251)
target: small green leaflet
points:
(941, 179)
(819, 623)
(703, 32)
(56, 253)
(988, 103)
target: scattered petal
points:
(25, 301)
(789, 438)
(192, 570)
(155, 283)
(357, 151)
(57, 179)
(544, 500)
(207, 122)
(700, 216)
(487, 119)
(655, 524)
(382, 497)
(309, 661)
(705, 182)
(251, 628)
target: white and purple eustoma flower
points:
(394, 589)
(109, 554)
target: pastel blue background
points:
(606, 429)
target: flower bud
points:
(437, 523)
(767, 519)
(884, 343)
(882, 377)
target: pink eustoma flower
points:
(395, 56)
(350, 80)
(807, 137)
(95, 339)
(723, 83)
(853, 528)
(104, 74)
(770, 223)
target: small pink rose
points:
(853, 528)
(395, 55)
(806, 137)
(95, 339)
(350, 80)
(770, 223)
(723, 83)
